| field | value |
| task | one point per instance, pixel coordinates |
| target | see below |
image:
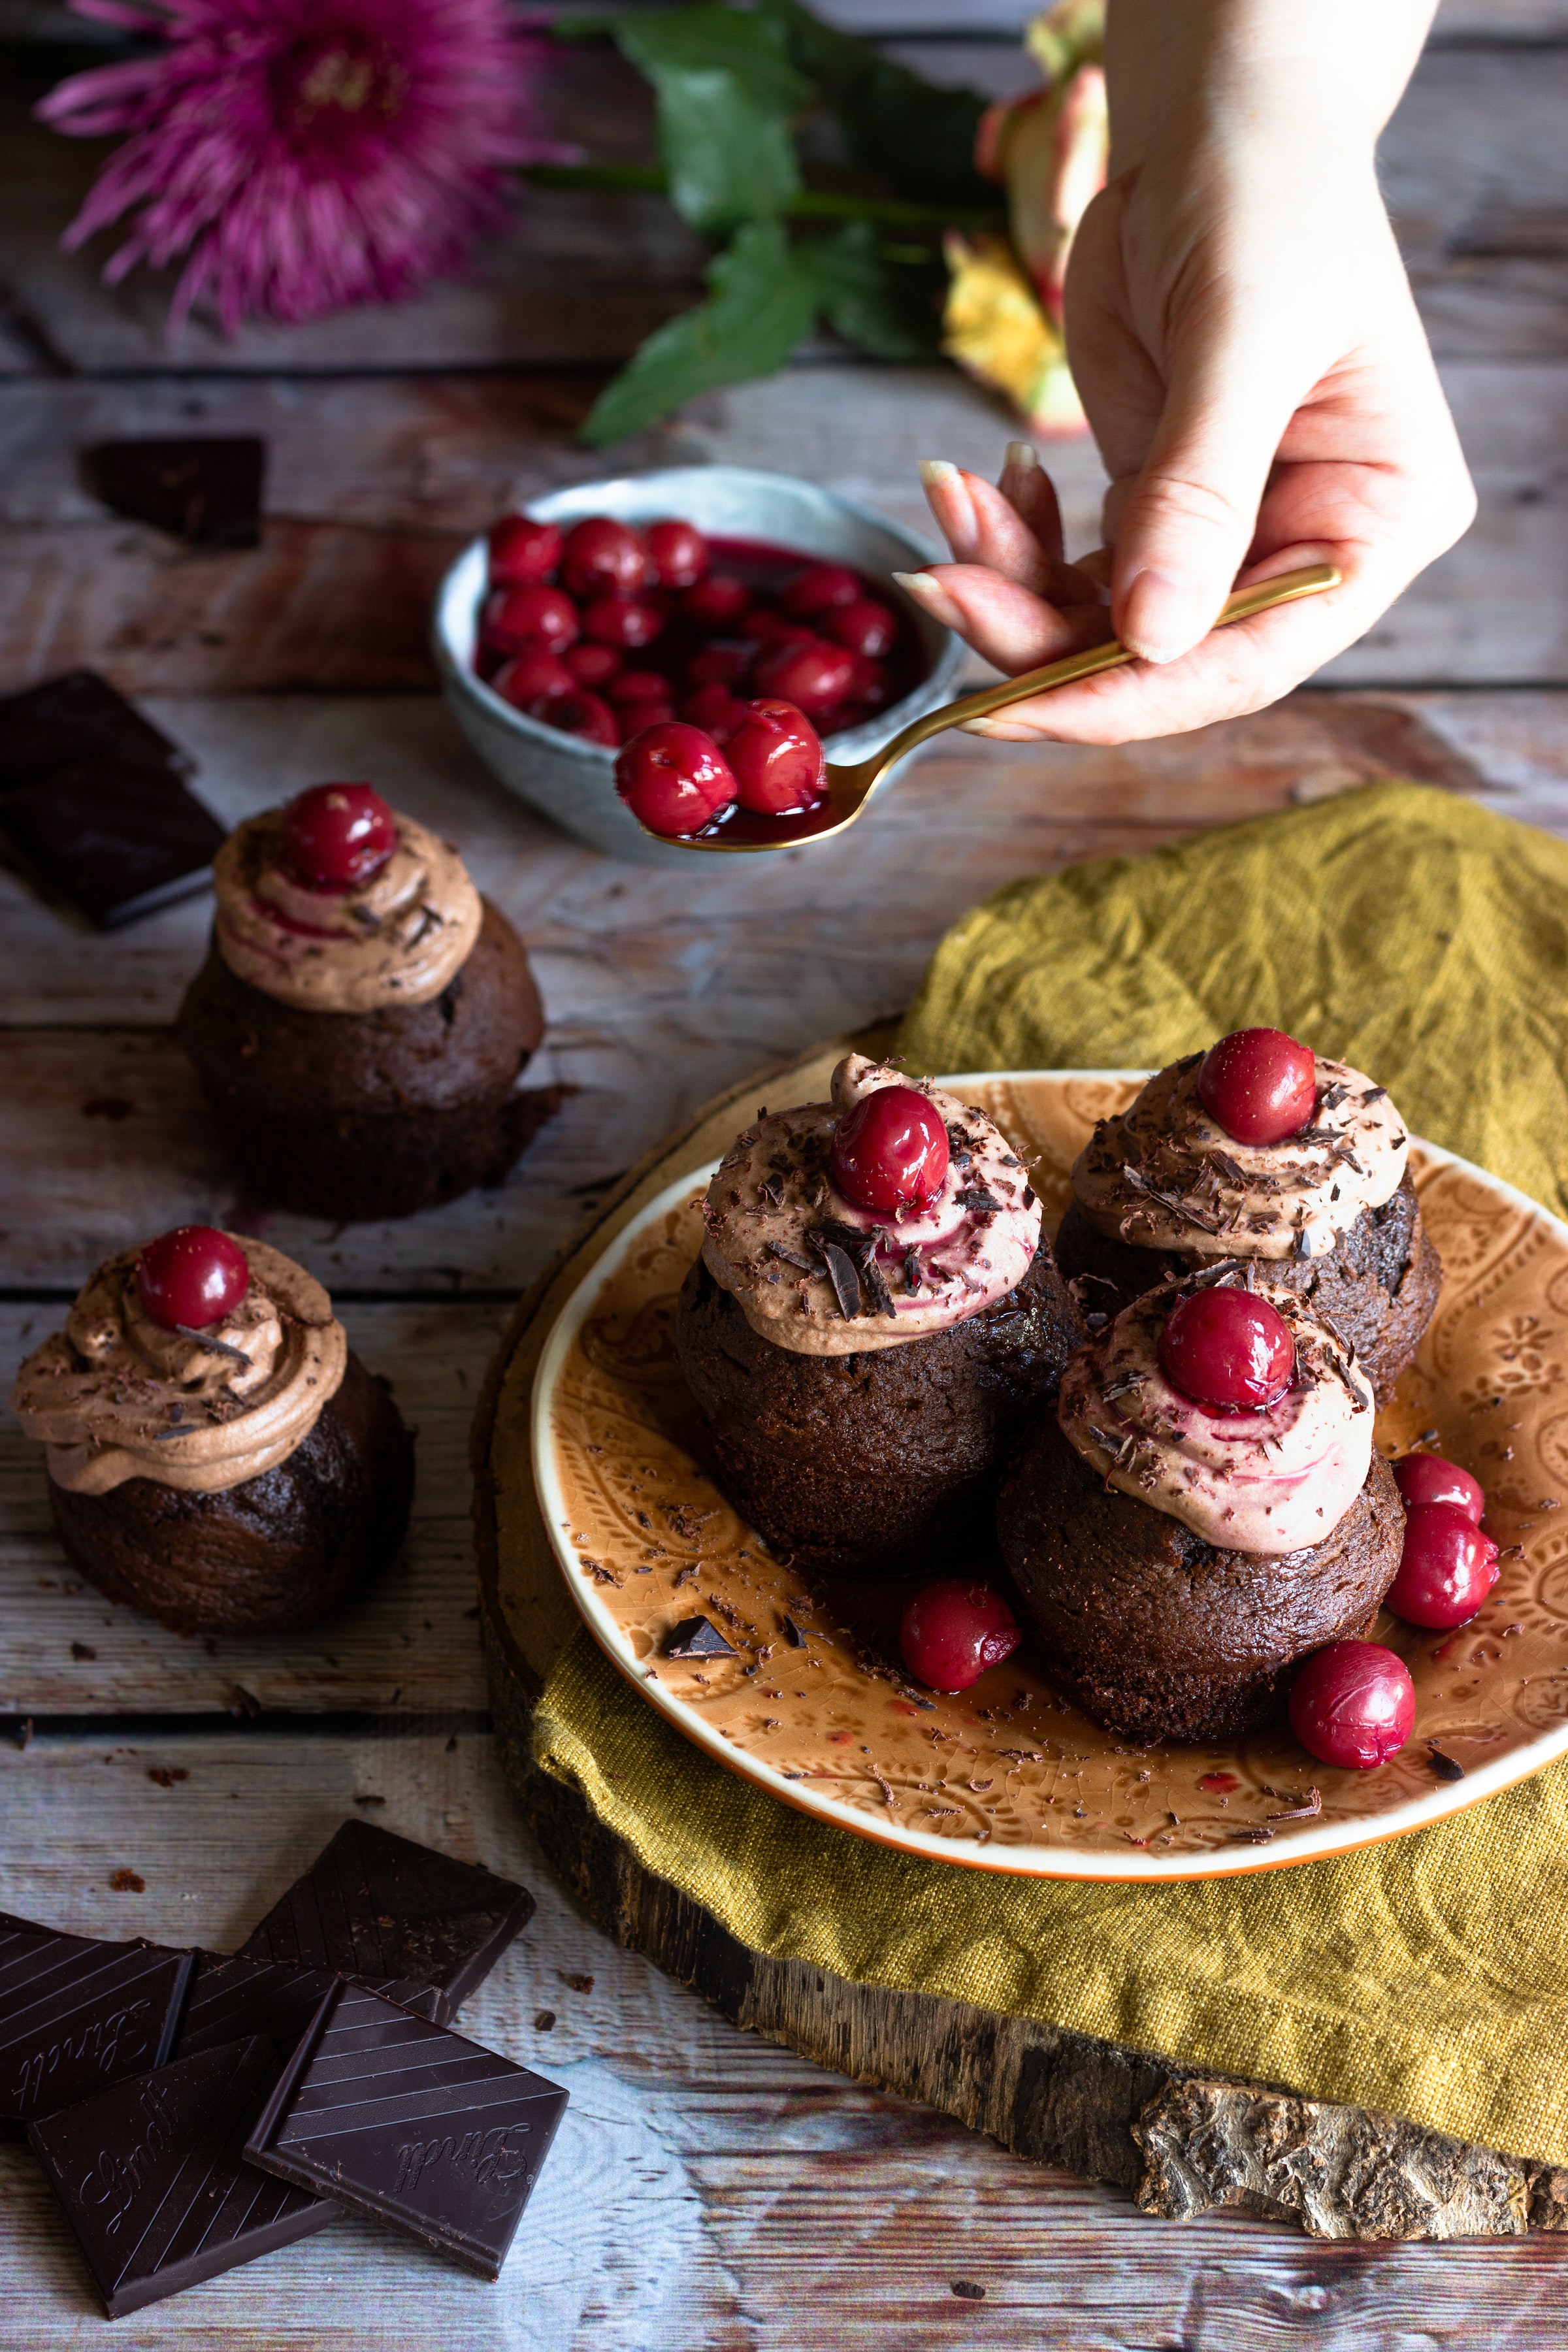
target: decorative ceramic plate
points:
(1009, 1775)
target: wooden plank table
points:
(708, 2189)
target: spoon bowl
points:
(850, 787)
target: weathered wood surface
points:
(709, 2192)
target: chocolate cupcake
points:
(875, 1319)
(1260, 1150)
(218, 1455)
(1181, 1546)
(363, 1016)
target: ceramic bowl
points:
(573, 783)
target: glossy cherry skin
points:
(582, 713)
(715, 604)
(679, 553)
(674, 778)
(515, 617)
(1227, 1350)
(820, 588)
(1260, 1084)
(622, 621)
(337, 835)
(890, 1152)
(950, 1632)
(603, 557)
(776, 755)
(813, 677)
(1447, 1567)
(592, 665)
(1353, 1703)
(535, 675)
(191, 1278)
(715, 710)
(1427, 1478)
(522, 550)
(863, 628)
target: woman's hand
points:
(1246, 348)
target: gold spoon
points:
(849, 788)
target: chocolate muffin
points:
(358, 1040)
(1178, 1561)
(1327, 1210)
(218, 1455)
(863, 1367)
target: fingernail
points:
(931, 596)
(1022, 456)
(934, 471)
(1163, 618)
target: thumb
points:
(1181, 526)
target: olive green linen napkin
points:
(1426, 940)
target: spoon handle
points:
(1283, 589)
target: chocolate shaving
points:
(1229, 1169)
(1261, 1834)
(1310, 1806)
(215, 1347)
(914, 1274)
(789, 1258)
(1301, 1246)
(1374, 1093)
(978, 1196)
(1447, 1767)
(846, 1282)
(1028, 1196)
(772, 1190)
(876, 1284)
(791, 1633)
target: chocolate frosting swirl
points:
(399, 937)
(816, 1274)
(1162, 1174)
(116, 1396)
(1260, 1482)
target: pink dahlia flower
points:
(306, 154)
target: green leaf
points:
(726, 92)
(764, 299)
(883, 306)
(919, 137)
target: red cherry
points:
(821, 588)
(618, 621)
(776, 755)
(1352, 1704)
(337, 835)
(535, 675)
(813, 677)
(870, 686)
(718, 666)
(522, 550)
(591, 665)
(584, 714)
(638, 685)
(892, 1150)
(765, 626)
(864, 627)
(1228, 1351)
(678, 552)
(515, 617)
(1447, 1567)
(603, 557)
(1427, 1478)
(192, 1277)
(715, 710)
(1260, 1084)
(715, 604)
(951, 1632)
(674, 778)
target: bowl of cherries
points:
(681, 644)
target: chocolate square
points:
(153, 2182)
(378, 1907)
(76, 2014)
(74, 718)
(396, 2118)
(203, 489)
(117, 841)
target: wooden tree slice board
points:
(1182, 2140)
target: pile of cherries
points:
(606, 632)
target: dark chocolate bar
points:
(231, 1999)
(78, 717)
(381, 1909)
(76, 2015)
(401, 2120)
(153, 2179)
(200, 489)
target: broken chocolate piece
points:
(791, 1633)
(1447, 1767)
(152, 2177)
(76, 2014)
(380, 1908)
(399, 2119)
(695, 1637)
(207, 490)
(233, 1999)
